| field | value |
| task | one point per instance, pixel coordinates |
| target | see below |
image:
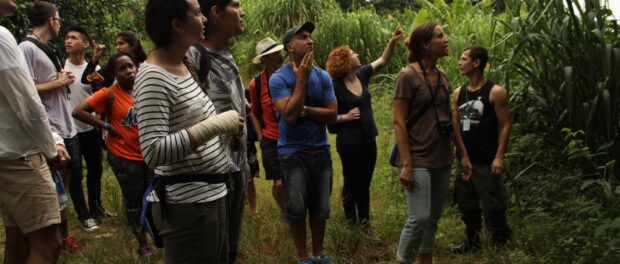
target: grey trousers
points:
(194, 232)
(235, 200)
(425, 202)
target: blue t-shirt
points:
(305, 133)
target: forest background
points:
(559, 60)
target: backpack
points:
(259, 105)
(204, 65)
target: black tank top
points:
(481, 139)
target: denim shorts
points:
(307, 178)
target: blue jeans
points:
(425, 204)
(307, 178)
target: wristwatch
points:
(304, 112)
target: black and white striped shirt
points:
(167, 105)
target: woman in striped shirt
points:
(179, 136)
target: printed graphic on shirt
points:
(131, 119)
(472, 110)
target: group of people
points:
(179, 128)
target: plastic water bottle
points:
(60, 190)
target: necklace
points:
(470, 105)
(35, 35)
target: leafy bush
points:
(102, 20)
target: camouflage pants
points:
(487, 189)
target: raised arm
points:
(290, 107)
(499, 99)
(91, 67)
(379, 63)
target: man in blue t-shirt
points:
(304, 98)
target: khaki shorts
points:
(28, 196)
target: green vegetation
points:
(102, 19)
(560, 61)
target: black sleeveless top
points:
(481, 140)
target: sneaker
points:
(104, 213)
(90, 224)
(324, 259)
(145, 251)
(69, 244)
(306, 261)
(465, 246)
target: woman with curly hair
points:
(355, 126)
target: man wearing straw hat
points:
(264, 115)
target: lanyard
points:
(470, 105)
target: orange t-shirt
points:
(124, 118)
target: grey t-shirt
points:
(56, 102)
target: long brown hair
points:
(420, 36)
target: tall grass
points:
(560, 66)
(572, 71)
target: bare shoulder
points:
(498, 94)
(456, 92)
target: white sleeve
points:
(21, 95)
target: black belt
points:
(314, 149)
(159, 185)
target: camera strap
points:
(413, 120)
(434, 92)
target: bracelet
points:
(105, 125)
(340, 117)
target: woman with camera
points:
(423, 131)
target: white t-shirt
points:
(56, 102)
(79, 92)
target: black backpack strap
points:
(258, 104)
(205, 64)
(49, 51)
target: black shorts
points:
(271, 159)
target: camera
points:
(445, 127)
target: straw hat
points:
(265, 47)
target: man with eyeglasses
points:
(52, 81)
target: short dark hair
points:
(132, 39)
(111, 66)
(421, 35)
(40, 12)
(478, 53)
(80, 30)
(158, 18)
(205, 8)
